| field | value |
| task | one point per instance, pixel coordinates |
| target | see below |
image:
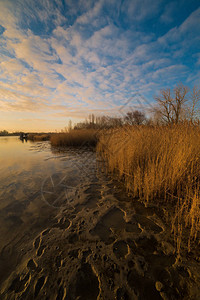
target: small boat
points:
(23, 136)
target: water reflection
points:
(26, 169)
(24, 139)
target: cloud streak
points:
(63, 60)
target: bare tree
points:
(170, 105)
(180, 99)
(163, 109)
(135, 117)
(194, 109)
(115, 122)
(69, 127)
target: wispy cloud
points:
(66, 60)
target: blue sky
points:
(64, 59)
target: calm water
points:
(35, 182)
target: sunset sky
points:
(64, 59)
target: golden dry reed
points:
(38, 137)
(159, 163)
(75, 138)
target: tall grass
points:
(83, 137)
(159, 163)
(38, 137)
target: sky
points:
(65, 59)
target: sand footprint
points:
(41, 250)
(18, 285)
(61, 293)
(39, 285)
(120, 249)
(133, 228)
(112, 221)
(63, 224)
(37, 242)
(122, 294)
(45, 231)
(85, 284)
(143, 287)
(147, 224)
(58, 261)
(31, 265)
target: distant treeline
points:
(6, 133)
(132, 118)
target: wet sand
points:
(81, 236)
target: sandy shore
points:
(94, 243)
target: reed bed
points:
(79, 137)
(159, 163)
(38, 137)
